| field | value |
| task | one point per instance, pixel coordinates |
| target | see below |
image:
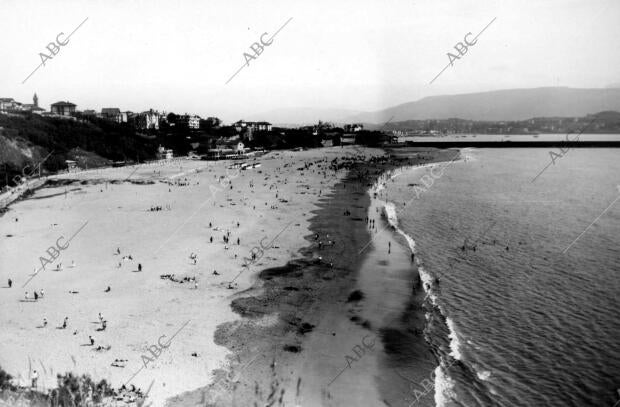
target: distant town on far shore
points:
(89, 139)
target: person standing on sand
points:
(35, 377)
(10, 283)
(44, 322)
(139, 266)
(389, 247)
(64, 323)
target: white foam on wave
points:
(427, 283)
(480, 372)
(389, 209)
(444, 385)
(444, 388)
(455, 343)
(390, 213)
(484, 375)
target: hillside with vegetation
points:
(29, 139)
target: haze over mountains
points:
(510, 104)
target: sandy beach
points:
(273, 327)
(298, 341)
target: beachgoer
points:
(64, 323)
(92, 341)
(10, 283)
(44, 322)
(36, 296)
(139, 267)
(35, 377)
(26, 295)
(107, 290)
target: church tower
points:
(35, 99)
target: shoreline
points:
(303, 304)
(280, 334)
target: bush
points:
(74, 391)
(5, 380)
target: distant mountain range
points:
(511, 104)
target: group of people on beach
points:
(35, 294)
(128, 257)
(158, 208)
(321, 166)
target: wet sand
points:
(306, 339)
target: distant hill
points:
(513, 104)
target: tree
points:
(172, 118)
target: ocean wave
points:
(389, 209)
(427, 283)
(444, 387)
(455, 343)
(484, 375)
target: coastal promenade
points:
(515, 144)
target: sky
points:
(355, 55)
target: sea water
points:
(522, 274)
